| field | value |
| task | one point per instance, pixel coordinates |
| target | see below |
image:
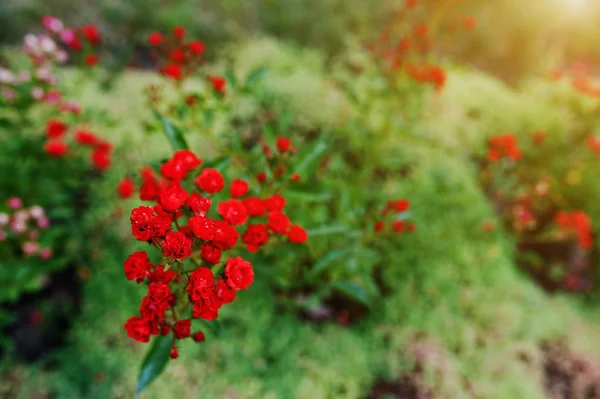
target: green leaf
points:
(173, 133)
(308, 196)
(220, 163)
(352, 290)
(308, 161)
(285, 121)
(154, 362)
(332, 229)
(230, 77)
(214, 325)
(255, 75)
(326, 261)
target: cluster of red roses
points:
(198, 238)
(276, 161)
(578, 223)
(398, 207)
(179, 58)
(56, 146)
(84, 39)
(582, 77)
(503, 145)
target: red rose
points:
(173, 170)
(137, 265)
(196, 47)
(379, 226)
(55, 148)
(56, 129)
(202, 227)
(177, 245)
(152, 310)
(283, 144)
(210, 180)
(91, 60)
(145, 225)
(254, 206)
(210, 253)
(198, 336)
(295, 178)
(297, 234)
(239, 273)
(159, 292)
(398, 226)
(91, 33)
(85, 137)
(138, 328)
(103, 145)
(179, 31)
(238, 188)
(261, 177)
(174, 353)
(181, 329)
(100, 159)
(198, 204)
(126, 188)
(201, 284)
(149, 191)
(275, 203)
(401, 205)
(155, 39)
(224, 293)
(255, 236)
(177, 55)
(159, 275)
(172, 71)
(218, 83)
(233, 211)
(173, 197)
(225, 236)
(411, 227)
(207, 308)
(278, 222)
(188, 158)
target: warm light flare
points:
(574, 6)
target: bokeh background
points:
(463, 319)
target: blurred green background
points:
(462, 320)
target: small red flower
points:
(295, 177)
(100, 159)
(155, 39)
(179, 31)
(126, 188)
(255, 236)
(283, 144)
(401, 205)
(297, 234)
(56, 148)
(181, 329)
(278, 222)
(174, 353)
(198, 336)
(56, 129)
(225, 236)
(239, 273)
(91, 60)
(210, 180)
(210, 253)
(177, 245)
(159, 293)
(224, 293)
(91, 33)
(201, 285)
(202, 227)
(138, 328)
(218, 83)
(275, 203)
(172, 71)
(379, 226)
(191, 100)
(233, 211)
(254, 206)
(85, 137)
(137, 265)
(196, 47)
(398, 226)
(261, 177)
(173, 197)
(149, 191)
(177, 55)
(198, 204)
(238, 188)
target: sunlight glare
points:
(574, 6)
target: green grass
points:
(459, 301)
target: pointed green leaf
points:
(173, 133)
(255, 75)
(325, 261)
(332, 229)
(154, 362)
(308, 160)
(229, 75)
(352, 290)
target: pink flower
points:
(53, 24)
(45, 253)
(67, 36)
(43, 223)
(30, 248)
(14, 203)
